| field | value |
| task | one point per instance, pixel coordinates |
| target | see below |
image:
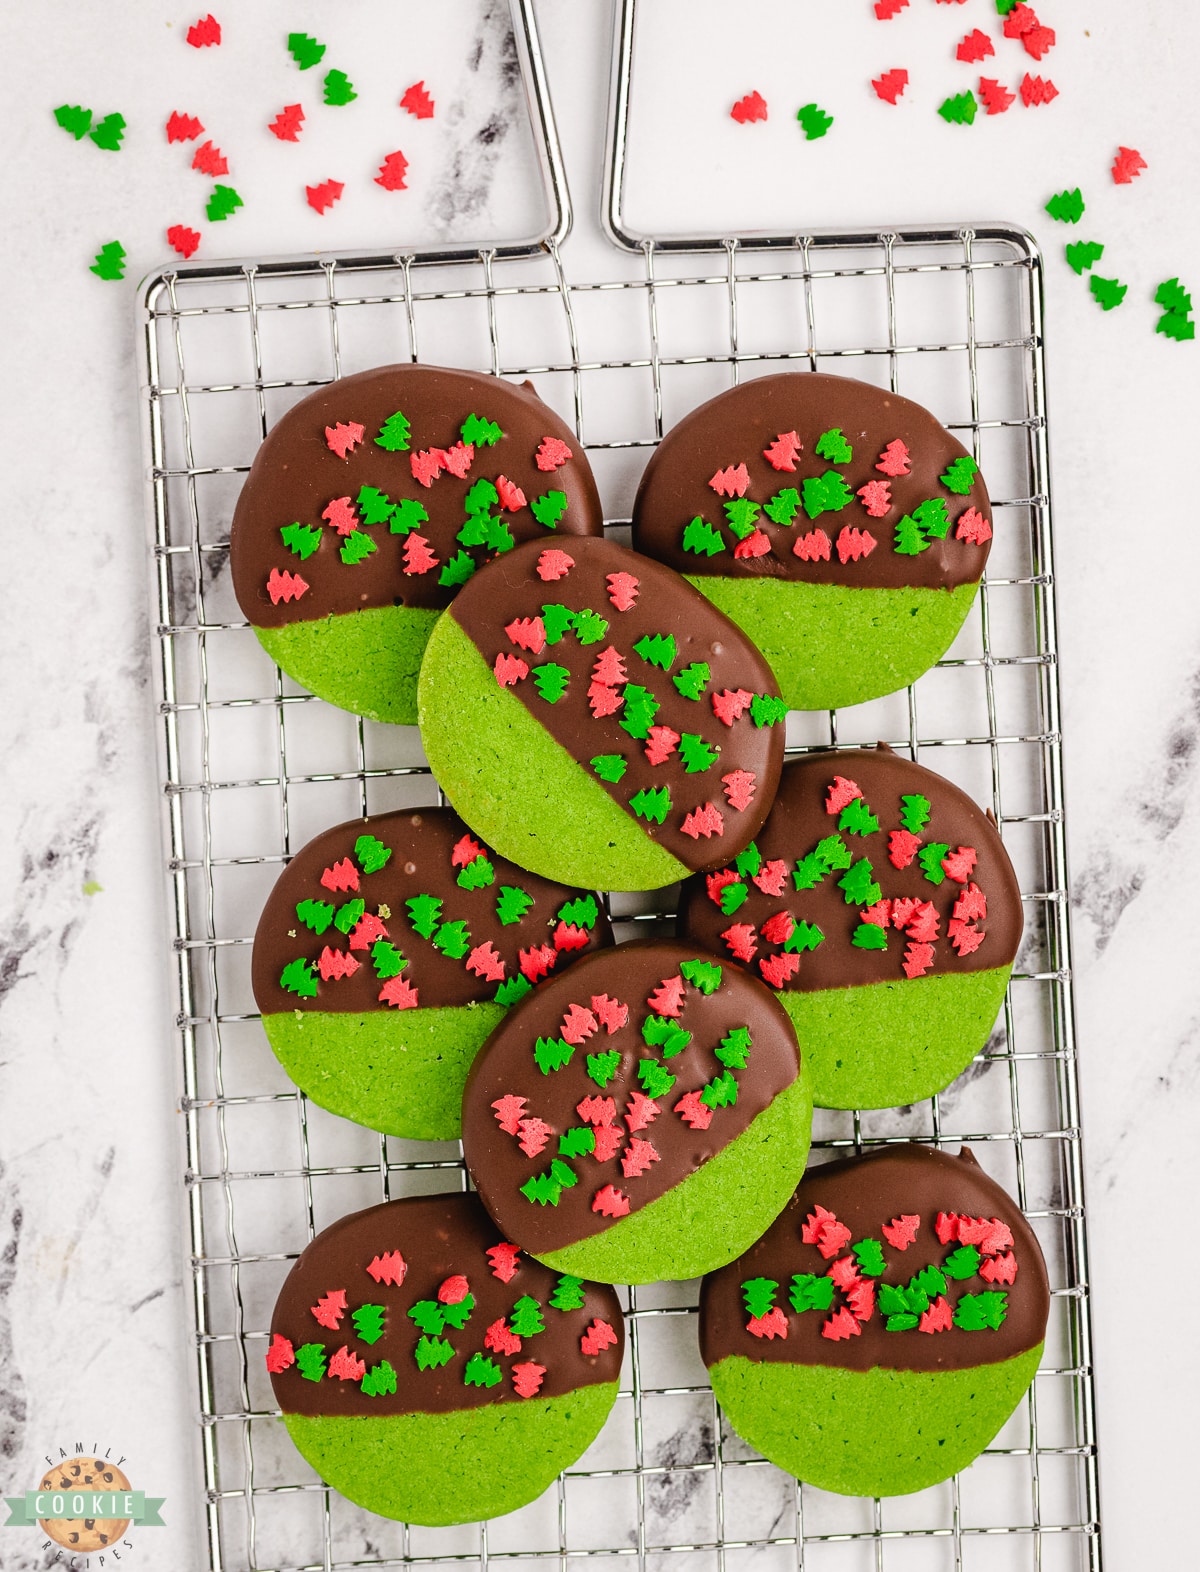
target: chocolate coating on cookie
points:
(300, 471)
(643, 681)
(942, 897)
(418, 1273)
(912, 1210)
(746, 467)
(611, 1085)
(410, 908)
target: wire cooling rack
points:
(254, 766)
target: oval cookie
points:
(430, 1371)
(599, 721)
(880, 1333)
(388, 950)
(841, 526)
(373, 500)
(879, 902)
(644, 1117)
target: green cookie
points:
(713, 1214)
(831, 645)
(875, 1432)
(364, 661)
(401, 1072)
(459, 1467)
(892, 1043)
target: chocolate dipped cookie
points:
(430, 1371)
(373, 500)
(595, 719)
(880, 1333)
(643, 1117)
(841, 526)
(879, 902)
(388, 950)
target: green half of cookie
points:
(892, 1043)
(870, 1432)
(363, 661)
(520, 789)
(711, 1216)
(399, 1071)
(458, 1467)
(831, 645)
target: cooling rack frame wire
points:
(231, 1119)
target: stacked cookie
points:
(425, 544)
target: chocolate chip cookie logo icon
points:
(85, 1505)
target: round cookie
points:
(84, 1535)
(430, 1371)
(599, 721)
(373, 500)
(643, 1118)
(840, 525)
(388, 950)
(879, 902)
(877, 1337)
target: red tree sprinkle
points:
(756, 544)
(534, 1135)
(458, 459)
(343, 438)
(918, 958)
(752, 107)
(840, 793)
(894, 460)
(552, 454)
(330, 1308)
(501, 1339)
(840, 1326)
(739, 786)
(578, 1024)
(730, 704)
(485, 962)
(641, 1112)
(741, 941)
(771, 878)
(502, 1258)
(280, 1355)
(622, 590)
(965, 939)
(209, 160)
(464, 851)
(509, 670)
(996, 99)
(609, 1202)
(971, 905)
(511, 497)
(597, 1338)
(705, 820)
(322, 197)
(608, 1142)
(508, 1110)
(813, 547)
(611, 1012)
(878, 915)
(973, 527)
(529, 633)
(554, 564)
(903, 846)
(538, 961)
(667, 998)
(453, 1290)
(286, 124)
(876, 497)
(399, 994)
(891, 84)
(772, 1325)
(693, 1112)
(418, 556)
(340, 513)
(569, 936)
(957, 865)
(182, 239)
(999, 1268)
(417, 101)
(340, 876)
(345, 1366)
(975, 46)
(183, 128)
(938, 1318)
(784, 451)
(285, 586)
(204, 33)
(527, 1378)
(1019, 20)
(1037, 41)
(716, 882)
(885, 10)
(597, 1110)
(1128, 163)
(779, 928)
(1036, 90)
(661, 743)
(903, 908)
(392, 171)
(901, 1231)
(924, 923)
(637, 1157)
(731, 482)
(366, 930)
(333, 964)
(777, 970)
(390, 1269)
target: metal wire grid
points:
(253, 766)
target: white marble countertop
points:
(92, 1291)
